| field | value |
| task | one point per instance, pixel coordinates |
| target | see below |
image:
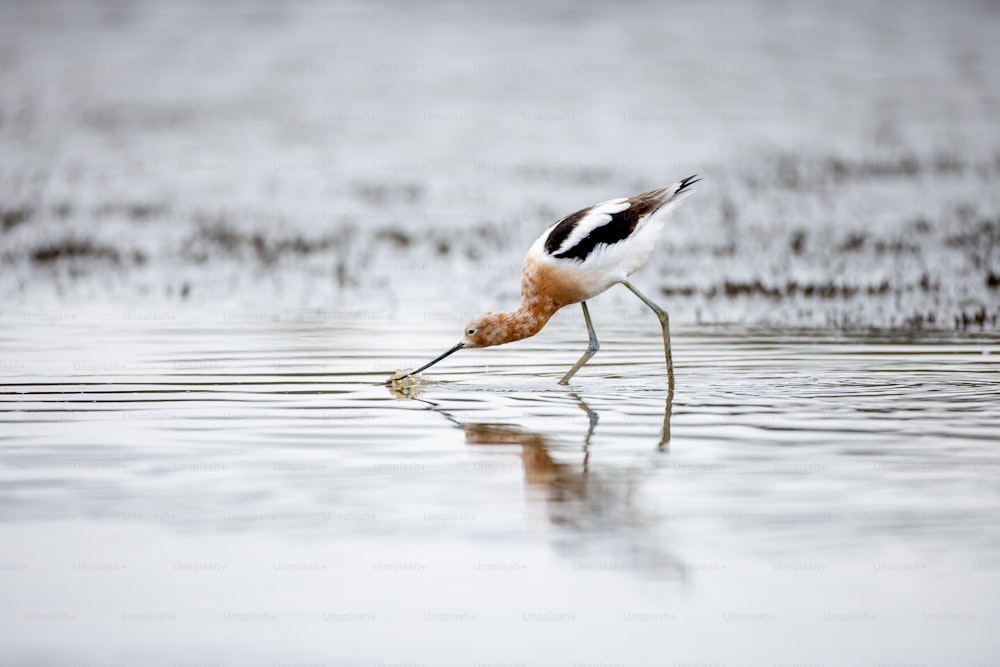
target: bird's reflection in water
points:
(597, 507)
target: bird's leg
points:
(664, 443)
(591, 349)
(665, 323)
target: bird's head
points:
(486, 330)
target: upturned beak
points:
(428, 364)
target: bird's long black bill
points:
(430, 363)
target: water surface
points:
(247, 482)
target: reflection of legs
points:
(665, 323)
(593, 417)
(591, 349)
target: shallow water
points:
(366, 153)
(246, 482)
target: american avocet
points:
(576, 259)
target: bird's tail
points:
(670, 196)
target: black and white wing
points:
(577, 235)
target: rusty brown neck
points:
(523, 322)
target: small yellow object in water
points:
(402, 379)
(404, 384)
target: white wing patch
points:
(597, 216)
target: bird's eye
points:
(471, 331)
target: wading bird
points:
(576, 259)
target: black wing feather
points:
(617, 229)
(621, 225)
(563, 229)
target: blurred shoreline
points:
(288, 157)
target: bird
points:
(576, 259)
